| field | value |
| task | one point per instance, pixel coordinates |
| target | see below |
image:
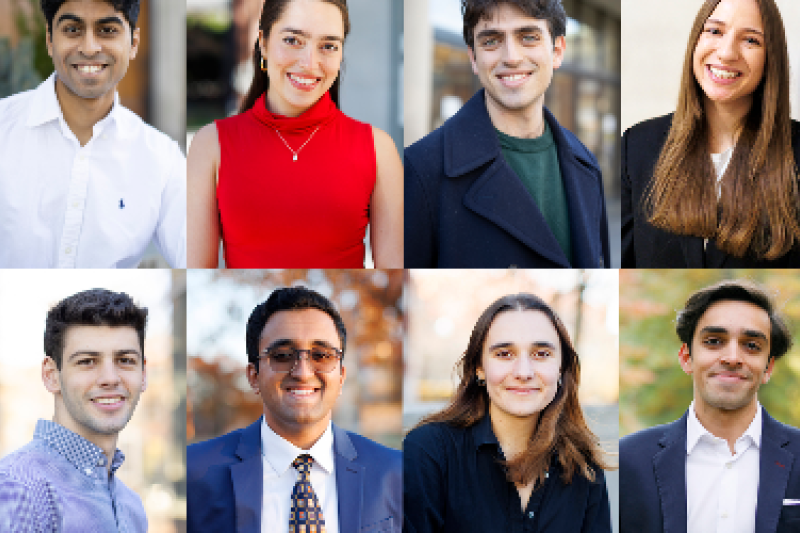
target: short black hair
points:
(95, 307)
(288, 299)
(128, 8)
(473, 11)
(780, 338)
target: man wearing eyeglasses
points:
(293, 468)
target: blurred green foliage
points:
(25, 66)
(653, 387)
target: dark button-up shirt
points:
(453, 482)
(60, 483)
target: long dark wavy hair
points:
(271, 12)
(757, 211)
(561, 428)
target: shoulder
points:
(147, 138)
(776, 430)
(131, 500)
(13, 108)
(205, 142)
(435, 438)
(27, 466)
(644, 440)
(575, 144)
(219, 450)
(429, 148)
(375, 452)
(651, 130)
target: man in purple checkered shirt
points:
(64, 480)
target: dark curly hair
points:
(552, 11)
(128, 8)
(95, 307)
(289, 299)
(780, 338)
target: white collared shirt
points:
(67, 206)
(721, 489)
(280, 477)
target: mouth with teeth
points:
(303, 83)
(723, 75)
(89, 70)
(109, 403)
(302, 393)
(514, 79)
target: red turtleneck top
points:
(310, 213)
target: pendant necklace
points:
(294, 153)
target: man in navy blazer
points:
(725, 465)
(501, 183)
(243, 482)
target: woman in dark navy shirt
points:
(512, 453)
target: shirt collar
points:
(695, 430)
(82, 454)
(279, 453)
(44, 106)
(483, 434)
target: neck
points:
(304, 437)
(725, 122)
(512, 432)
(525, 123)
(277, 107)
(107, 443)
(81, 114)
(726, 424)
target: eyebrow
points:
(492, 32)
(751, 333)
(92, 353)
(291, 342)
(75, 18)
(308, 35)
(751, 30)
(537, 344)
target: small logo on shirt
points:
(121, 204)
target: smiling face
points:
(303, 52)
(91, 46)
(514, 57)
(729, 356)
(297, 404)
(521, 362)
(730, 54)
(102, 375)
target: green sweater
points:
(536, 163)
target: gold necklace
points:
(294, 157)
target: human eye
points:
(753, 41)
(128, 360)
(490, 42)
(753, 345)
(85, 361)
(292, 40)
(541, 353)
(282, 355)
(330, 47)
(70, 29)
(504, 354)
(531, 38)
(108, 31)
(712, 341)
(321, 354)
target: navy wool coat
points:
(466, 207)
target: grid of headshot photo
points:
(399, 266)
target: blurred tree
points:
(654, 388)
(22, 67)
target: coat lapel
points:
(349, 481)
(248, 480)
(670, 470)
(775, 463)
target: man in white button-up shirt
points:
(726, 466)
(244, 481)
(85, 182)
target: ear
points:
(471, 53)
(342, 377)
(51, 376)
(252, 378)
(480, 374)
(685, 359)
(768, 372)
(559, 47)
(48, 40)
(144, 374)
(135, 43)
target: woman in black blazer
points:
(512, 452)
(716, 184)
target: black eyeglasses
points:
(284, 358)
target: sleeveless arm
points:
(386, 205)
(202, 212)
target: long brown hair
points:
(561, 428)
(271, 12)
(757, 209)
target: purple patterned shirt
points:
(59, 483)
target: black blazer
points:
(652, 479)
(465, 206)
(645, 246)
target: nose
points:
(732, 355)
(512, 52)
(90, 44)
(727, 49)
(302, 367)
(109, 374)
(308, 56)
(523, 368)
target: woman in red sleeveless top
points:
(291, 182)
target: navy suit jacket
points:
(224, 483)
(652, 475)
(466, 207)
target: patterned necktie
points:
(306, 516)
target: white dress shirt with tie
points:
(721, 488)
(63, 205)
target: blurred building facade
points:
(584, 95)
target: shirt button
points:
(88, 471)
(729, 466)
(76, 204)
(68, 250)
(82, 157)
(530, 514)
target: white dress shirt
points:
(721, 489)
(280, 477)
(67, 206)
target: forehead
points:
(88, 10)
(508, 17)
(100, 339)
(522, 328)
(735, 317)
(313, 16)
(299, 325)
(742, 13)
